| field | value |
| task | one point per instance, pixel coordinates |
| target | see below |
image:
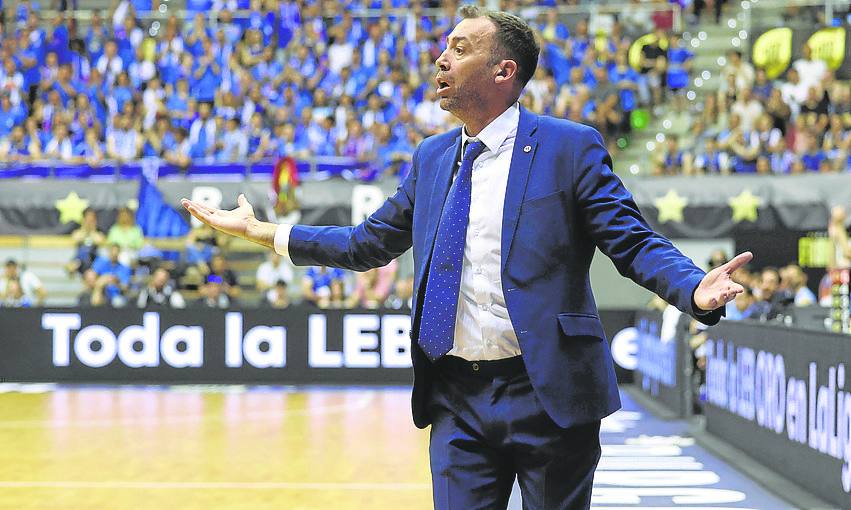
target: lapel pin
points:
(527, 148)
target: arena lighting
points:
(651, 146)
(691, 95)
(633, 169)
(695, 43)
(163, 8)
(746, 4)
(705, 75)
(686, 35)
(666, 124)
(660, 137)
(736, 42)
(743, 34)
(698, 82)
(722, 61)
(731, 23)
(701, 35)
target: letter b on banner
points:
(365, 200)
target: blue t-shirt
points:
(812, 161)
(321, 279)
(102, 266)
(205, 87)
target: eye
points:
(459, 50)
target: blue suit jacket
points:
(562, 200)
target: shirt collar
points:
(498, 130)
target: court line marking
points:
(152, 485)
(360, 403)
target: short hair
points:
(514, 40)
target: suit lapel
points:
(442, 182)
(525, 146)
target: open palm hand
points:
(235, 222)
(718, 288)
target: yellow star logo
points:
(744, 206)
(670, 207)
(71, 208)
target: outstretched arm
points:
(718, 288)
(239, 222)
(383, 236)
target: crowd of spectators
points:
(298, 78)
(795, 124)
(120, 268)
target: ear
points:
(506, 72)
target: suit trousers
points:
(488, 429)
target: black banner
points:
(782, 396)
(297, 345)
(662, 355)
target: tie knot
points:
(474, 148)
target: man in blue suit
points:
(511, 366)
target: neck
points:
(476, 120)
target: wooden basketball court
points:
(210, 447)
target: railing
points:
(317, 168)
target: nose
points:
(441, 62)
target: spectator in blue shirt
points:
(234, 144)
(202, 133)
(317, 283)
(206, 78)
(17, 147)
(552, 30)
(812, 155)
(113, 275)
(91, 150)
(627, 80)
(10, 115)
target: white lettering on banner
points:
(317, 353)
(812, 414)
(368, 342)
(365, 200)
(356, 341)
(84, 346)
(207, 195)
(250, 347)
(192, 354)
(146, 335)
(124, 346)
(625, 348)
(61, 324)
(395, 341)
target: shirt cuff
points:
(282, 240)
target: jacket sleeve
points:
(613, 221)
(383, 236)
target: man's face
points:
(464, 69)
(768, 285)
(159, 279)
(218, 264)
(11, 270)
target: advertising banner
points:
(781, 395)
(661, 358)
(296, 345)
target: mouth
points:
(442, 85)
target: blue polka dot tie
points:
(437, 326)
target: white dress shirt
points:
(483, 329)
